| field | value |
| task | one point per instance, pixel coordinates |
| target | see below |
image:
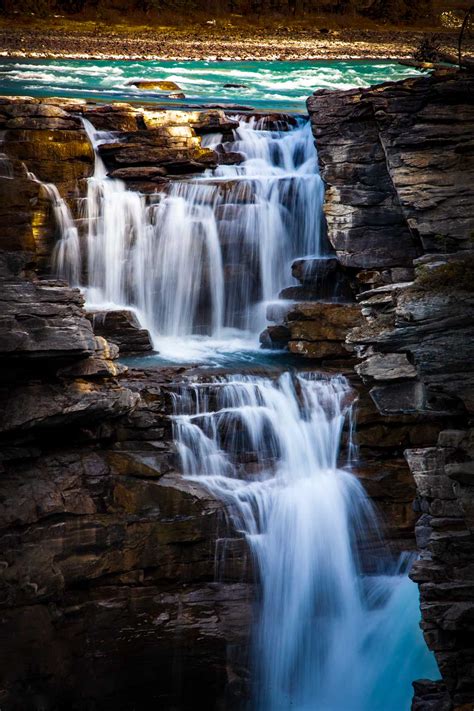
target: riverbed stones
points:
(153, 84)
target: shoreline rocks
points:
(214, 43)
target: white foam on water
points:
(205, 257)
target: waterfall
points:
(66, 257)
(337, 618)
(327, 637)
(202, 258)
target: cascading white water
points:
(66, 257)
(200, 259)
(326, 639)
(67, 252)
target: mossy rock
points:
(451, 276)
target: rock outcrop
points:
(315, 330)
(398, 164)
(121, 327)
(49, 138)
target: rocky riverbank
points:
(207, 42)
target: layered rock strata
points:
(398, 163)
(107, 575)
(108, 582)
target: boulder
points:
(153, 84)
(275, 337)
(309, 271)
(321, 280)
(122, 328)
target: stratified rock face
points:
(148, 144)
(399, 168)
(444, 476)
(108, 596)
(316, 329)
(176, 149)
(312, 319)
(43, 319)
(49, 139)
(107, 591)
(420, 334)
(398, 164)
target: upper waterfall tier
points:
(205, 255)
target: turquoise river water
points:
(263, 85)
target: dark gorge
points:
(187, 521)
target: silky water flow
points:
(203, 258)
(329, 635)
(334, 631)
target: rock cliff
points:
(107, 555)
(398, 164)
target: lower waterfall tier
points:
(269, 449)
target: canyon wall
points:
(398, 162)
(108, 584)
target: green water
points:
(265, 85)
